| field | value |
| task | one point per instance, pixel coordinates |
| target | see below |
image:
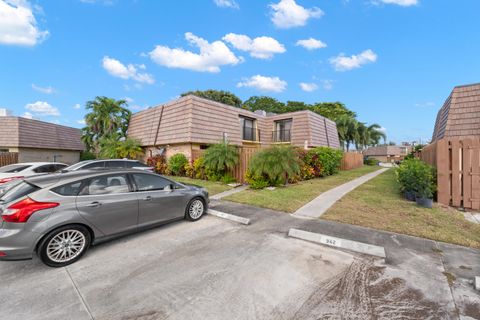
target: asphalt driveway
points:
(216, 269)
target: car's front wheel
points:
(64, 246)
(195, 209)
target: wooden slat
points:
(7, 158)
(351, 160)
(443, 175)
(456, 177)
(475, 177)
(467, 178)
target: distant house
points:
(460, 115)
(35, 140)
(191, 123)
(387, 153)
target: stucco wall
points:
(47, 155)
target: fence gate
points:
(7, 158)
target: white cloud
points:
(403, 3)
(211, 57)
(344, 63)
(311, 44)
(77, 106)
(128, 99)
(262, 83)
(327, 84)
(227, 4)
(82, 122)
(119, 70)
(308, 87)
(46, 90)
(27, 115)
(288, 14)
(260, 47)
(18, 25)
(42, 108)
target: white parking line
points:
(228, 216)
(477, 283)
(355, 246)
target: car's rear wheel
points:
(64, 246)
(195, 209)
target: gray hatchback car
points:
(59, 216)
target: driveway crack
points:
(84, 302)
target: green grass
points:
(294, 196)
(212, 187)
(378, 204)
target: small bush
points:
(228, 178)
(256, 182)
(277, 165)
(325, 161)
(87, 155)
(199, 168)
(189, 170)
(158, 163)
(418, 177)
(370, 161)
(176, 164)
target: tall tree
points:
(225, 97)
(264, 103)
(376, 134)
(347, 131)
(107, 118)
(332, 110)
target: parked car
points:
(58, 216)
(109, 164)
(28, 169)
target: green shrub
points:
(277, 165)
(325, 161)
(199, 168)
(416, 176)
(228, 178)
(176, 164)
(87, 155)
(370, 161)
(189, 171)
(220, 158)
(256, 182)
(158, 163)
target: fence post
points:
(443, 172)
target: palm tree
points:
(221, 157)
(363, 136)
(130, 149)
(107, 117)
(347, 131)
(376, 134)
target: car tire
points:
(64, 246)
(195, 209)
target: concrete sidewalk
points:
(323, 202)
(224, 194)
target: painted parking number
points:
(331, 242)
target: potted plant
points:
(425, 184)
(406, 176)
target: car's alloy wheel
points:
(195, 209)
(64, 246)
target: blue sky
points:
(394, 62)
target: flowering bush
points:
(324, 161)
(158, 163)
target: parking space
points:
(217, 269)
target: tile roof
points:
(29, 133)
(460, 115)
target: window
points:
(248, 126)
(150, 182)
(70, 189)
(13, 168)
(45, 168)
(135, 164)
(60, 167)
(94, 165)
(106, 185)
(3, 150)
(115, 164)
(20, 190)
(282, 131)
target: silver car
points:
(58, 216)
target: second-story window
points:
(283, 129)
(248, 126)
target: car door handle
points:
(147, 198)
(94, 204)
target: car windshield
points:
(14, 168)
(75, 166)
(9, 185)
(16, 192)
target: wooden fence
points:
(458, 170)
(351, 160)
(7, 158)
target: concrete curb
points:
(228, 216)
(355, 246)
(477, 283)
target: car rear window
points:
(134, 164)
(69, 189)
(14, 168)
(19, 191)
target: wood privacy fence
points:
(351, 160)
(458, 170)
(7, 158)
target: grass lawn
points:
(378, 204)
(212, 187)
(294, 196)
